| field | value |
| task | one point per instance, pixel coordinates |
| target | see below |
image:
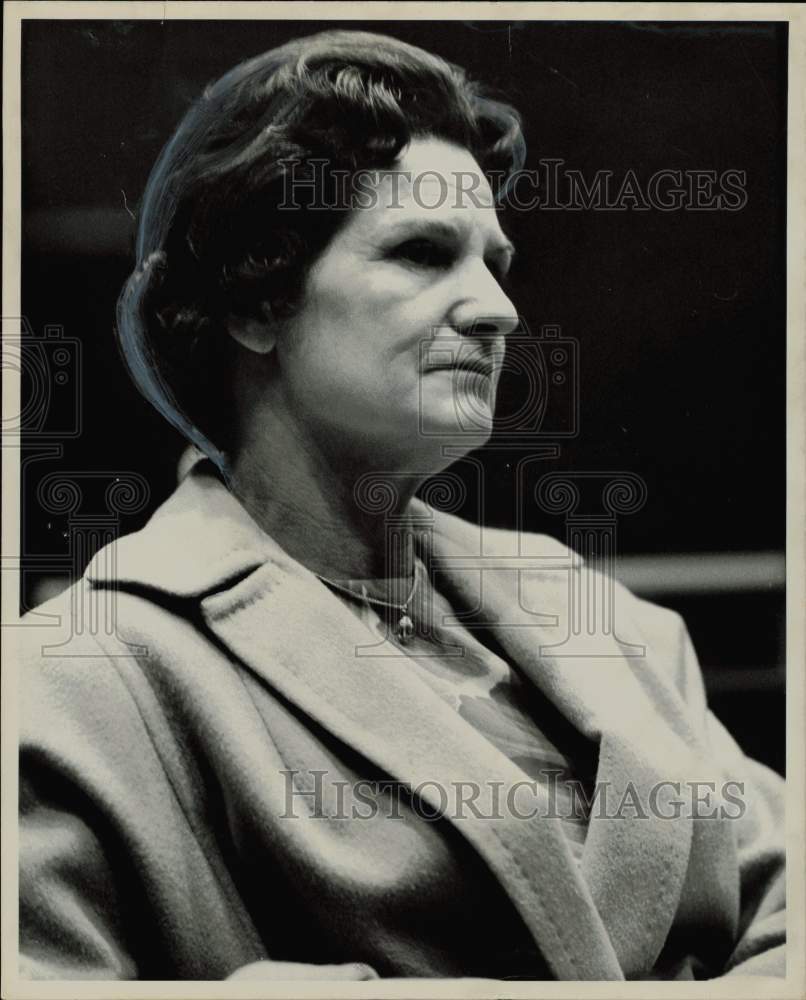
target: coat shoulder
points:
(638, 623)
(477, 539)
(81, 658)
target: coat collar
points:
(202, 539)
(202, 544)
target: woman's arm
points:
(759, 836)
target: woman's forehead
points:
(432, 171)
(442, 218)
(433, 184)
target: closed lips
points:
(472, 367)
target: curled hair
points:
(211, 240)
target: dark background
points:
(679, 316)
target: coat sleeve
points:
(761, 943)
(114, 884)
(759, 832)
(73, 902)
(70, 905)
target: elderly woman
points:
(330, 732)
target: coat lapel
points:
(634, 861)
(289, 629)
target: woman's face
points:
(399, 339)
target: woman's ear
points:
(256, 333)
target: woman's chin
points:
(458, 425)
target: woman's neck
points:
(328, 510)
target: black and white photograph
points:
(403, 498)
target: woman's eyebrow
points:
(441, 229)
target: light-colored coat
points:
(162, 838)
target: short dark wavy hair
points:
(211, 240)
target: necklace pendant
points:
(404, 629)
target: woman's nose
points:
(485, 308)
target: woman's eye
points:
(424, 253)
